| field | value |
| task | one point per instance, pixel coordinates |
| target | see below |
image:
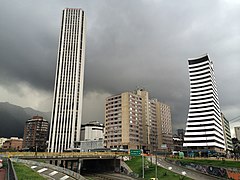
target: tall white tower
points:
(204, 125)
(68, 91)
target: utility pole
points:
(156, 140)
(156, 166)
(142, 166)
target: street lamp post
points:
(156, 166)
(156, 156)
(142, 166)
(36, 150)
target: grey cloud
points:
(129, 43)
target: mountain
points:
(13, 118)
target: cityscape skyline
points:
(125, 50)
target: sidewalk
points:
(2, 174)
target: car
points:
(1, 165)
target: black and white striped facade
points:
(68, 91)
(204, 125)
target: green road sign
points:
(135, 152)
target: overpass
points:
(79, 162)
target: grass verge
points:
(23, 172)
(136, 165)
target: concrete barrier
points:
(50, 166)
(11, 171)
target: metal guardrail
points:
(11, 171)
(64, 154)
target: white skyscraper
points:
(68, 91)
(204, 125)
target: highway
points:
(71, 156)
(181, 170)
(51, 174)
(108, 176)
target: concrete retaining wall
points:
(222, 172)
(50, 166)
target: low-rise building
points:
(93, 130)
(86, 146)
(13, 144)
(92, 135)
(2, 140)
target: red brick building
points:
(13, 144)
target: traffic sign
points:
(135, 152)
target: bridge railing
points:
(64, 154)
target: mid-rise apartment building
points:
(166, 122)
(237, 132)
(134, 121)
(123, 121)
(36, 134)
(227, 134)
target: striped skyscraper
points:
(204, 125)
(68, 91)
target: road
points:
(178, 169)
(108, 176)
(51, 174)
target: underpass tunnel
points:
(100, 165)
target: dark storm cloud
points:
(149, 45)
(129, 43)
(28, 46)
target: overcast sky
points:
(130, 43)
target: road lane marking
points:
(53, 173)
(64, 177)
(42, 170)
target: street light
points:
(156, 167)
(142, 166)
(156, 157)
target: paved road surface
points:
(189, 173)
(51, 174)
(108, 175)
